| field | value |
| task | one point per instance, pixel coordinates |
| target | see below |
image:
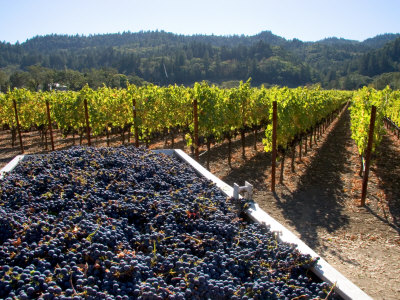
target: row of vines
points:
(152, 111)
(387, 103)
(370, 111)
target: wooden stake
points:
(208, 154)
(229, 151)
(108, 137)
(368, 155)
(305, 144)
(282, 167)
(300, 146)
(87, 122)
(255, 139)
(293, 158)
(18, 127)
(196, 129)
(273, 162)
(315, 135)
(50, 126)
(172, 139)
(135, 125)
(243, 138)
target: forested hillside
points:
(166, 58)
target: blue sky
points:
(307, 20)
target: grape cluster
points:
(126, 223)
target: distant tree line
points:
(165, 58)
(40, 78)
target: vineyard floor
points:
(318, 201)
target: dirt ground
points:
(318, 201)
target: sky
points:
(306, 20)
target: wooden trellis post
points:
(87, 122)
(274, 125)
(50, 126)
(368, 155)
(18, 126)
(196, 129)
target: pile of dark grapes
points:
(126, 223)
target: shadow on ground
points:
(388, 172)
(318, 200)
(253, 170)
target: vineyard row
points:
(204, 114)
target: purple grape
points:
(126, 223)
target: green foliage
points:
(393, 107)
(299, 110)
(360, 113)
(222, 112)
